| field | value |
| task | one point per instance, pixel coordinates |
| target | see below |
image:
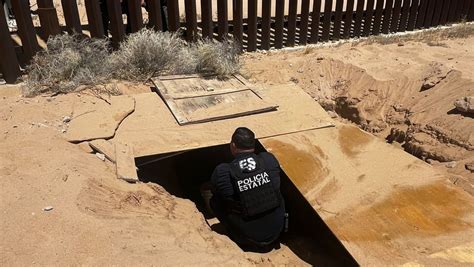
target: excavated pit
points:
(183, 173)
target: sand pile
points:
(403, 92)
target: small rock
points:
(469, 166)
(332, 114)
(450, 165)
(450, 58)
(293, 79)
(465, 104)
(65, 177)
(300, 71)
(401, 44)
(100, 156)
(63, 131)
(15, 126)
(48, 208)
(319, 58)
(66, 119)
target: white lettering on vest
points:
(253, 182)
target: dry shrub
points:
(148, 53)
(221, 58)
(67, 63)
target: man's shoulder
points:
(269, 158)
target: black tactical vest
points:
(253, 185)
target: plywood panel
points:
(152, 130)
(386, 206)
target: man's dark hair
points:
(243, 138)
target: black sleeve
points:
(221, 182)
(273, 167)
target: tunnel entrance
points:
(183, 173)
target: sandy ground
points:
(99, 220)
(382, 88)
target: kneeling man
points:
(246, 193)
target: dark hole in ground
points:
(182, 175)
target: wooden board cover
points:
(194, 99)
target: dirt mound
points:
(405, 94)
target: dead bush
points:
(67, 63)
(148, 53)
(221, 58)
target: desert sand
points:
(99, 220)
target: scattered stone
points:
(66, 119)
(450, 165)
(86, 147)
(65, 177)
(48, 208)
(300, 71)
(401, 44)
(465, 104)
(63, 131)
(15, 126)
(470, 166)
(293, 79)
(100, 156)
(332, 114)
(319, 58)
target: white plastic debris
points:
(48, 208)
(100, 156)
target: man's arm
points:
(221, 182)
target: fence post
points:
(154, 13)
(304, 22)
(413, 12)
(444, 14)
(71, 16)
(266, 23)
(315, 20)
(237, 25)
(116, 22)
(290, 39)
(26, 29)
(136, 16)
(348, 18)
(8, 61)
(396, 15)
(173, 15)
(358, 18)
(222, 19)
(420, 19)
(369, 14)
(48, 18)
(252, 26)
(429, 13)
(327, 20)
(94, 17)
(279, 23)
(206, 19)
(191, 21)
(404, 18)
(378, 17)
(387, 16)
(338, 20)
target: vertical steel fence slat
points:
(266, 23)
(26, 30)
(252, 25)
(116, 22)
(358, 18)
(387, 16)
(279, 23)
(304, 22)
(9, 65)
(94, 17)
(290, 39)
(222, 19)
(404, 18)
(71, 16)
(48, 18)
(420, 19)
(338, 20)
(348, 18)
(173, 15)
(136, 16)
(413, 13)
(327, 20)
(397, 8)
(315, 20)
(206, 18)
(369, 14)
(437, 13)
(429, 13)
(237, 26)
(191, 20)
(378, 17)
(154, 15)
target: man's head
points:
(243, 140)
